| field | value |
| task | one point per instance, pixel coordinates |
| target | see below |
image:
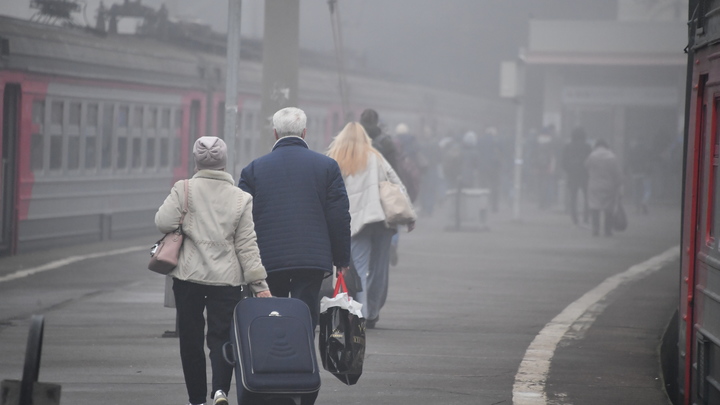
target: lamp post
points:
(512, 84)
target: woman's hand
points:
(263, 294)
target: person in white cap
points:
(219, 255)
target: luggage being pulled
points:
(272, 342)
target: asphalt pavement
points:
(463, 308)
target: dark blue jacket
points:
(300, 208)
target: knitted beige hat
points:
(210, 153)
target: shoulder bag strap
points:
(185, 203)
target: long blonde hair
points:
(351, 148)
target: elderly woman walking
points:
(604, 181)
(363, 168)
(218, 256)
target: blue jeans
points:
(371, 256)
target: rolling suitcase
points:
(272, 342)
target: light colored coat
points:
(220, 246)
(363, 191)
(604, 179)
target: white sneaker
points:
(220, 398)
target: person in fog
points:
(573, 162)
(461, 161)
(545, 165)
(300, 211)
(642, 163)
(430, 182)
(381, 141)
(218, 256)
(490, 164)
(363, 168)
(384, 144)
(604, 181)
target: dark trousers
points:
(607, 221)
(573, 193)
(303, 284)
(192, 299)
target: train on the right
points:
(698, 376)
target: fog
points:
(455, 44)
(458, 45)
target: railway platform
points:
(463, 312)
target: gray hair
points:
(289, 121)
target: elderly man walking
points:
(300, 210)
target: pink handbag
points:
(164, 254)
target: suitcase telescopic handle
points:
(225, 353)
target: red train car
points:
(699, 306)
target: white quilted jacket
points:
(220, 246)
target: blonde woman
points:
(363, 167)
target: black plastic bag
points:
(342, 337)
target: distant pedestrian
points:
(490, 165)
(642, 161)
(363, 167)
(573, 161)
(604, 181)
(430, 182)
(545, 167)
(411, 162)
(384, 144)
(219, 254)
(381, 141)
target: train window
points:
(122, 145)
(36, 151)
(136, 152)
(152, 118)
(178, 119)
(56, 113)
(165, 120)
(122, 116)
(90, 153)
(713, 197)
(164, 152)
(74, 118)
(56, 151)
(38, 112)
(73, 154)
(150, 153)
(137, 117)
(107, 130)
(91, 118)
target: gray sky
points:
(455, 44)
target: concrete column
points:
(281, 48)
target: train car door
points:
(8, 169)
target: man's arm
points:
(246, 182)
(337, 215)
